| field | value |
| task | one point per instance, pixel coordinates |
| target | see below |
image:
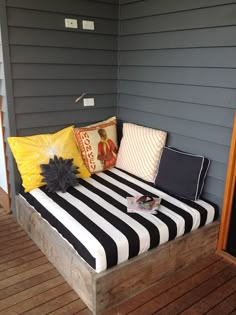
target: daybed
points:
(106, 254)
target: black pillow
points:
(59, 174)
(182, 174)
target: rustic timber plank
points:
(7, 221)
(14, 248)
(25, 275)
(39, 299)
(224, 307)
(4, 217)
(28, 283)
(24, 267)
(20, 260)
(198, 293)
(10, 231)
(54, 304)
(16, 241)
(164, 285)
(8, 226)
(182, 288)
(84, 312)
(29, 293)
(19, 253)
(2, 213)
(12, 236)
(227, 256)
(221, 286)
(71, 308)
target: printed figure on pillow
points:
(98, 145)
(107, 150)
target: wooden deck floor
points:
(30, 285)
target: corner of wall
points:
(9, 110)
(118, 62)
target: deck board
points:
(18, 253)
(8, 249)
(198, 295)
(22, 268)
(39, 299)
(225, 306)
(10, 220)
(30, 285)
(10, 244)
(20, 260)
(54, 304)
(159, 303)
(13, 290)
(70, 308)
(30, 292)
(163, 286)
(216, 296)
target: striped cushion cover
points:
(140, 150)
(93, 217)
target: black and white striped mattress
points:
(93, 217)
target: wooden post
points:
(228, 194)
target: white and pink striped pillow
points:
(140, 151)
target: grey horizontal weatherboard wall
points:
(51, 65)
(177, 72)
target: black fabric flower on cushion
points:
(59, 174)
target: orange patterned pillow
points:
(98, 145)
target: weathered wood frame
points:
(101, 291)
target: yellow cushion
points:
(98, 145)
(31, 152)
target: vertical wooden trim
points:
(228, 194)
(5, 197)
(11, 123)
(7, 68)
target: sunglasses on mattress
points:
(145, 199)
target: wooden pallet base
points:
(111, 287)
